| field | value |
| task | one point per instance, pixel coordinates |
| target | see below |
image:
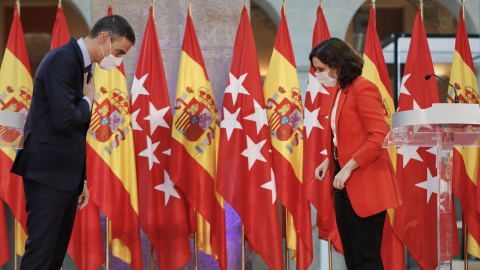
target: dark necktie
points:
(88, 69)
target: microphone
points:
(428, 76)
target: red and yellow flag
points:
(466, 159)
(15, 95)
(285, 117)
(112, 180)
(415, 220)
(86, 244)
(245, 174)
(375, 70)
(195, 141)
(317, 107)
(163, 212)
(60, 33)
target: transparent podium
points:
(444, 126)
(11, 129)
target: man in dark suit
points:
(52, 162)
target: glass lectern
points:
(444, 126)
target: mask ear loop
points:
(101, 47)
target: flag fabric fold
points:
(16, 88)
(4, 248)
(285, 118)
(317, 107)
(195, 134)
(162, 207)
(60, 33)
(466, 159)
(416, 220)
(245, 176)
(111, 163)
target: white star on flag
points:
(409, 152)
(135, 125)
(431, 185)
(259, 116)
(314, 87)
(148, 153)
(253, 152)
(403, 89)
(311, 120)
(137, 87)
(168, 152)
(235, 87)
(156, 118)
(168, 187)
(230, 122)
(271, 186)
(324, 152)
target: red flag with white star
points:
(162, 207)
(416, 220)
(245, 175)
(317, 106)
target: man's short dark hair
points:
(116, 26)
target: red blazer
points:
(360, 131)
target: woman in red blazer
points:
(363, 175)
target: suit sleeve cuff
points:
(89, 102)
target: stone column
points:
(216, 24)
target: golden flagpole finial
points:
(321, 4)
(421, 8)
(190, 8)
(245, 3)
(285, 7)
(153, 9)
(59, 3)
(111, 3)
(463, 8)
(17, 3)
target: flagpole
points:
(190, 8)
(107, 244)
(463, 8)
(15, 259)
(287, 252)
(421, 9)
(245, 3)
(195, 236)
(285, 7)
(329, 253)
(465, 243)
(59, 3)
(243, 247)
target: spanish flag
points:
(466, 159)
(15, 95)
(112, 180)
(375, 70)
(285, 117)
(195, 141)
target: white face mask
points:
(109, 62)
(325, 80)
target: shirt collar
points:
(86, 57)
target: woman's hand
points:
(321, 170)
(344, 174)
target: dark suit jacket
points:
(360, 131)
(55, 131)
